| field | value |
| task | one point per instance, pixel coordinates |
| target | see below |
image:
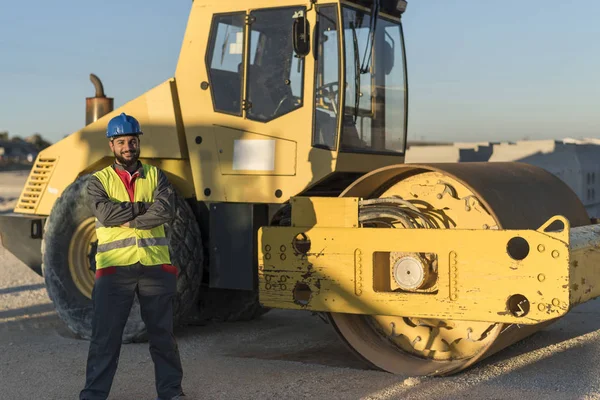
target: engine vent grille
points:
(36, 185)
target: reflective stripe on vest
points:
(119, 246)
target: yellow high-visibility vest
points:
(119, 246)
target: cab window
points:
(275, 73)
(225, 62)
(327, 78)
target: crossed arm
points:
(139, 215)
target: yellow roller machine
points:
(284, 131)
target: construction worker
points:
(131, 202)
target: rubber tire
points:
(75, 309)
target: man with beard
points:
(131, 202)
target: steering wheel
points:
(285, 98)
(329, 91)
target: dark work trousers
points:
(113, 297)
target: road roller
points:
(283, 130)
(427, 269)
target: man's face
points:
(126, 149)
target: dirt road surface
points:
(285, 354)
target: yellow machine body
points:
(346, 269)
(87, 150)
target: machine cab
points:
(299, 93)
(370, 115)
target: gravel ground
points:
(285, 354)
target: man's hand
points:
(126, 225)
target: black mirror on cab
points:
(301, 34)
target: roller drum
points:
(470, 196)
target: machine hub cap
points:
(409, 273)
(82, 250)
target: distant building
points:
(574, 161)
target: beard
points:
(130, 161)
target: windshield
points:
(374, 118)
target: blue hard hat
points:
(123, 125)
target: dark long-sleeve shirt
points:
(140, 215)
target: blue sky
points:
(478, 70)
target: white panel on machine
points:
(254, 155)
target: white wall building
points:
(576, 162)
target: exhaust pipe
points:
(98, 106)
